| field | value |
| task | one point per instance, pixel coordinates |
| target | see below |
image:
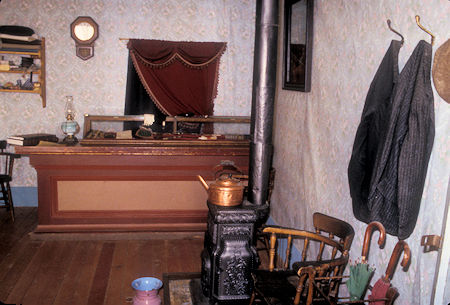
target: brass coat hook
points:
(390, 28)
(424, 29)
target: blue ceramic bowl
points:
(146, 283)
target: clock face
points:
(84, 31)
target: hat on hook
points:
(441, 71)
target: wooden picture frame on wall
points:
(298, 44)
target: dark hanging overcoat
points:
(400, 168)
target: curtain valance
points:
(180, 77)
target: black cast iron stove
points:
(229, 254)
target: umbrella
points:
(360, 272)
(381, 287)
(379, 291)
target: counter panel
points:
(145, 188)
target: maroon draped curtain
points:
(180, 77)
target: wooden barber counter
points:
(134, 186)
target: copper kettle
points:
(225, 191)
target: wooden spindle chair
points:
(284, 283)
(6, 170)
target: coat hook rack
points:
(390, 28)
(424, 29)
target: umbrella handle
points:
(371, 227)
(400, 247)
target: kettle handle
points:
(205, 185)
(226, 167)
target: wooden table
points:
(151, 186)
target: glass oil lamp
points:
(70, 127)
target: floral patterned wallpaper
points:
(98, 84)
(314, 132)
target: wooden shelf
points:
(34, 53)
(21, 71)
(21, 90)
(38, 54)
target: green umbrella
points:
(360, 274)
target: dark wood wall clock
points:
(84, 30)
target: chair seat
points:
(279, 286)
(5, 178)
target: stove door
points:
(234, 262)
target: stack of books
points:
(16, 47)
(19, 43)
(32, 139)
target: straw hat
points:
(441, 71)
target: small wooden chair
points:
(285, 284)
(6, 170)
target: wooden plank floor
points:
(62, 271)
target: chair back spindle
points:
(305, 249)
(288, 252)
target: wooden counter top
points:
(145, 148)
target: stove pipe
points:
(263, 97)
